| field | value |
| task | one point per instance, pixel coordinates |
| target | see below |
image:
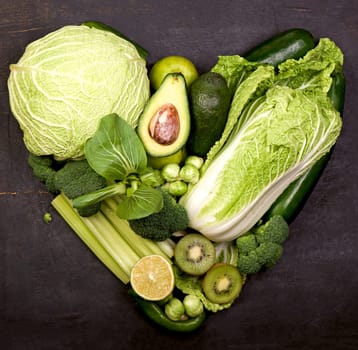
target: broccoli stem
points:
(140, 245)
(65, 209)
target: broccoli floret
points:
(269, 253)
(41, 167)
(160, 226)
(77, 178)
(249, 263)
(262, 246)
(74, 179)
(246, 243)
(274, 230)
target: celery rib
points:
(116, 246)
(140, 245)
(66, 211)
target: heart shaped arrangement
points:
(182, 184)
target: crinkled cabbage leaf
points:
(276, 138)
(66, 81)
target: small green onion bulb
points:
(193, 305)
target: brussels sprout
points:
(193, 305)
(189, 173)
(195, 161)
(170, 172)
(174, 309)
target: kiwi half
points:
(194, 254)
(222, 283)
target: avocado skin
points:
(210, 100)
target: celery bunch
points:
(110, 238)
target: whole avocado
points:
(210, 100)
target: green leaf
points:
(115, 150)
(143, 202)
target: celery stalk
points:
(166, 246)
(116, 246)
(140, 245)
(66, 211)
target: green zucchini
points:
(293, 43)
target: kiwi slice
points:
(222, 283)
(194, 254)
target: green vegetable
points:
(262, 246)
(176, 188)
(116, 152)
(193, 305)
(195, 161)
(291, 201)
(154, 312)
(249, 263)
(293, 43)
(41, 167)
(192, 285)
(47, 218)
(189, 174)
(246, 243)
(174, 309)
(210, 102)
(274, 230)
(68, 80)
(164, 125)
(108, 237)
(160, 226)
(269, 253)
(170, 172)
(226, 252)
(74, 179)
(272, 143)
(99, 25)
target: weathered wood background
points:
(55, 295)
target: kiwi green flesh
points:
(222, 284)
(194, 254)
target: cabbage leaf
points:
(66, 81)
(277, 137)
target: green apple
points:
(172, 64)
(159, 162)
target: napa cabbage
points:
(66, 81)
(273, 135)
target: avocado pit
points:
(164, 126)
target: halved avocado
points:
(164, 125)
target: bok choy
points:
(272, 137)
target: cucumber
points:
(293, 43)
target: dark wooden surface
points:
(55, 295)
